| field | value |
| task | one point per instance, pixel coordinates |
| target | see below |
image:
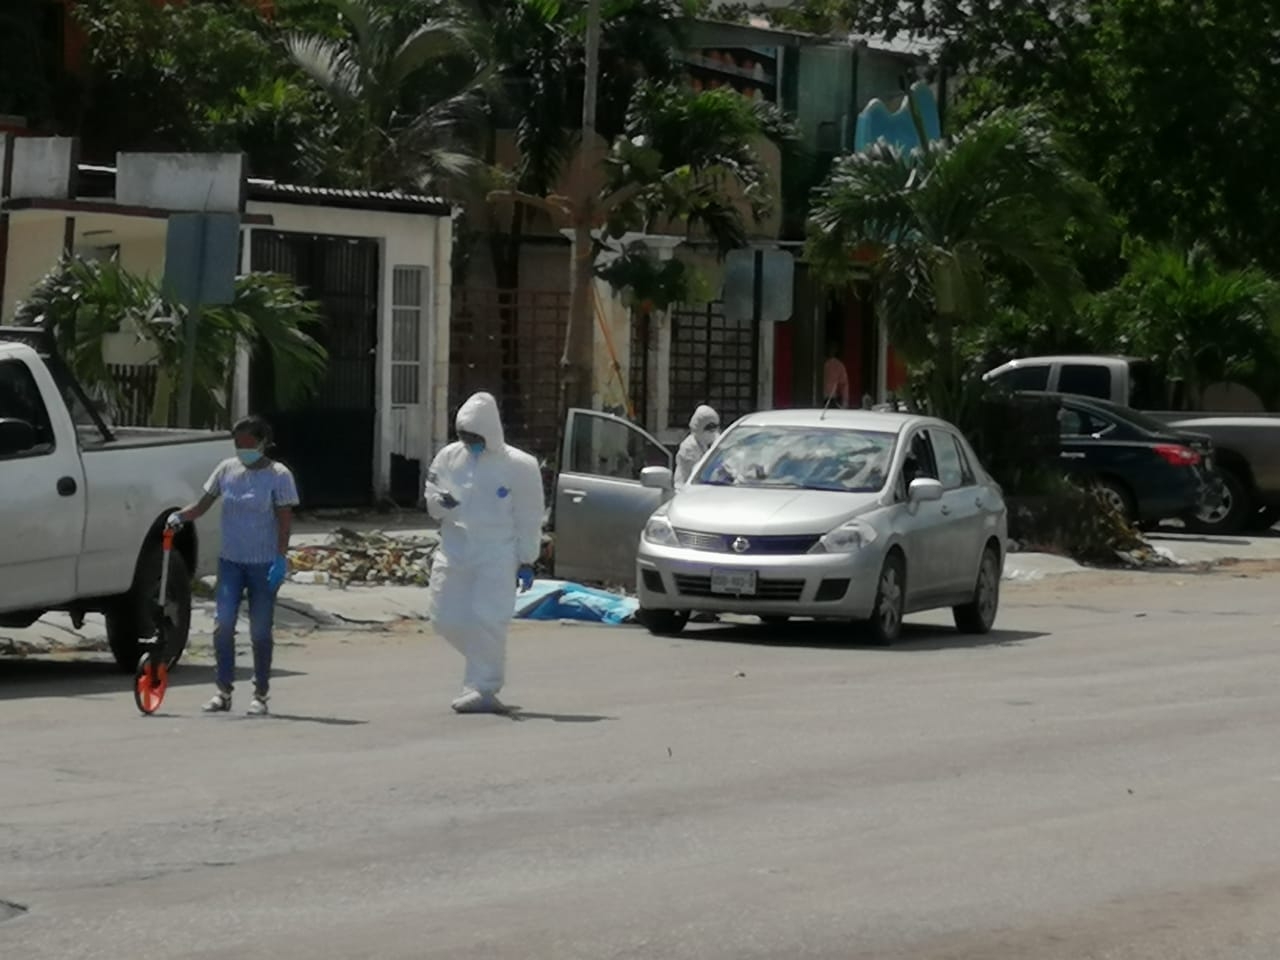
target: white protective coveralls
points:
(495, 528)
(702, 434)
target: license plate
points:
(737, 583)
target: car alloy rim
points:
(890, 600)
(988, 586)
(1216, 514)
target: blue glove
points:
(447, 500)
(524, 579)
(279, 570)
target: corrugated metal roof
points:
(389, 201)
(99, 180)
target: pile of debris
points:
(370, 558)
(375, 558)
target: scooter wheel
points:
(150, 682)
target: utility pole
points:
(578, 361)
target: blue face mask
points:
(249, 457)
(475, 448)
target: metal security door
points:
(713, 360)
(328, 440)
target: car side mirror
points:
(924, 489)
(657, 478)
(16, 436)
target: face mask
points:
(475, 448)
(709, 436)
(249, 457)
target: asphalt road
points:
(1099, 780)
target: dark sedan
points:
(1146, 469)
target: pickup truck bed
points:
(82, 505)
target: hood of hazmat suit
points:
(699, 441)
(495, 527)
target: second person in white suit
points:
(488, 498)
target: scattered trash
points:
(740, 673)
(311, 576)
(1147, 557)
(351, 557)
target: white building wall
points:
(414, 431)
(35, 244)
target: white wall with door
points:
(414, 305)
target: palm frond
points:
(329, 63)
(431, 41)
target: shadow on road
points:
(1173, 536)
(835, 636)
(52, 677)
(324, 721)
(519, 715)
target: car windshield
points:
(801, 458)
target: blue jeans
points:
(234, 579)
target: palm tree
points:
(81, 301)
(683, 158)
(1203, 323)
(402, 81)
(941, 221)
(536, 47)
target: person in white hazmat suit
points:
(704, 427)
(488, 499)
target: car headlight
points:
(848, 537)
(660, 532)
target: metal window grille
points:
(409, 298)
(713, 360)
(642, 325)
(509, 342)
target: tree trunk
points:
(579, 350)
(578, 361)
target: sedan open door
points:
(601, 506)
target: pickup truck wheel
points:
(133, 618)
(1231, 514)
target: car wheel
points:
(885, 625)
(664, 623)
(1229, 516)
(133, 617)
(978, 616)
(1117, 496)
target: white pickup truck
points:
(82, 504)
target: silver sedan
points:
(855, 515)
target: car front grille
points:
(693, 586)
(724, 543)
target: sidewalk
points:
(303, 608)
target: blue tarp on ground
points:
(562, 600)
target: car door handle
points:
(979, 503)
(67, 486)
(1072, 456)
(946, 511)
(576, 495)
